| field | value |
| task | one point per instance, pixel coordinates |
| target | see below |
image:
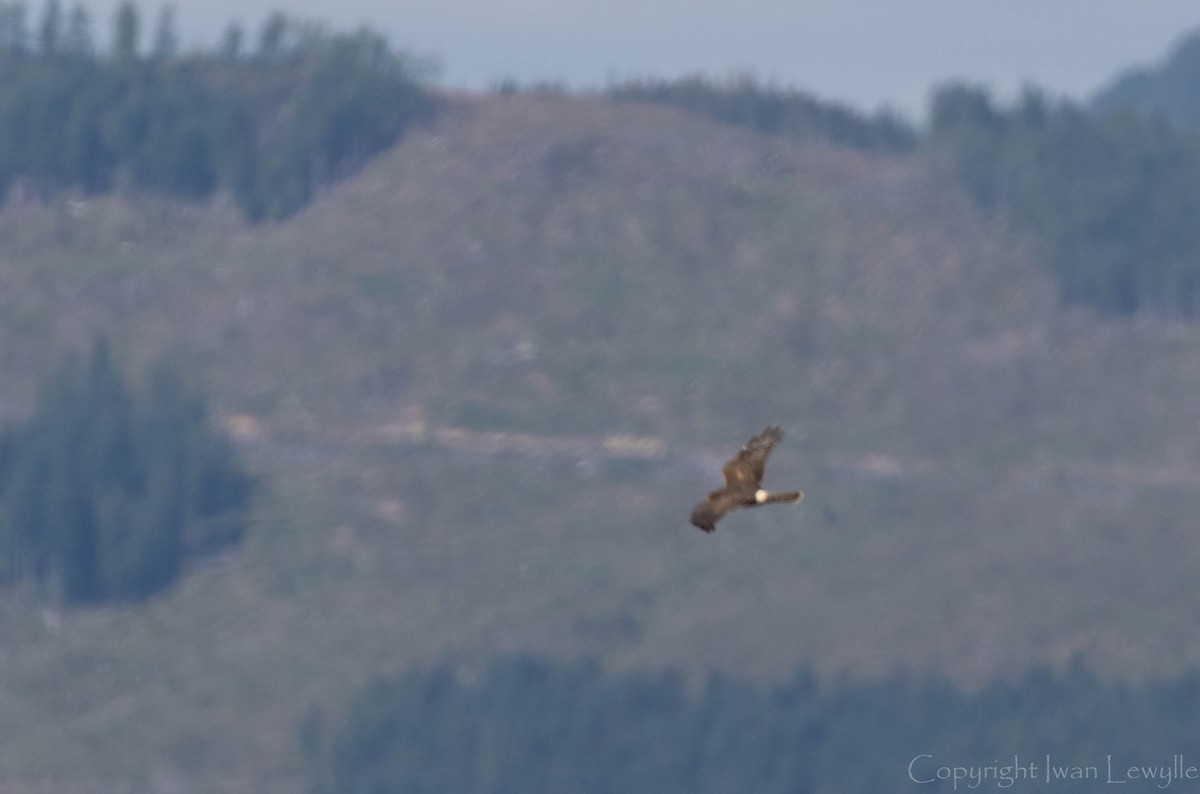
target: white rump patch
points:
(760, 496)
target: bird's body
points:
(743, 483)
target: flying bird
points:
(743, 483)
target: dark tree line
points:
(774, 111)
(1111, 198)
(271, 126)
(104, 491)
(535, 726)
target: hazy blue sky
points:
(866, 52)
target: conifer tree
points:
(50, 34)
(166, 37)
(128, 32)
(77, 38)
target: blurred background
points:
(361, 367)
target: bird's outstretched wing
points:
(718, 504)
(745, 469)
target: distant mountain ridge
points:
(1169, 89)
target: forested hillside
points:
(1109, 199)
(270, 125)
(1166, 90)
(107, 490)
(526, 725)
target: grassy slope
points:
(991, 483)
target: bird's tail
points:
(790, 496)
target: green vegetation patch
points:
(535, 726)
(23, 319)
(773, 110)
(105, 266)
(1113, 199)
(386, 286)
(104, 492)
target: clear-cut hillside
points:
(488, 376)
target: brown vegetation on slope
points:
(533, 268)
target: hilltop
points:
(1161, 90)
(487, 376)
